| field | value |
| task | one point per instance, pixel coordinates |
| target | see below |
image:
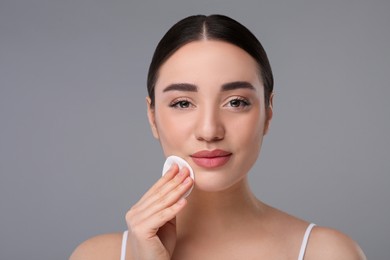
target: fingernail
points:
(181, 172)
(187, 180)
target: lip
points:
(211, 159)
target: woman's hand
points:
(151, 221)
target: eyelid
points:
(240, 98)
(176, 101)
(244, 105)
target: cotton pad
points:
(181, 163)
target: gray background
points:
(76, 150)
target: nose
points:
(209, 126)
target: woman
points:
(210, 97)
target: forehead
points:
(209, 62)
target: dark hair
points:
(213, 27)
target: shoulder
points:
(106, 246)
(324, 243)
(327, 243)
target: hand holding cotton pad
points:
(181, 163)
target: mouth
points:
(211, 159)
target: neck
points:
(211, 212)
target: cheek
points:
(250, 126)
(173, 131)
(248, 135)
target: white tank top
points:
(301, 251)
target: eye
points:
(238, 102)
(181, 104)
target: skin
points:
(221, 219)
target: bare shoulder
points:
(327, 243)
(106, 246)
(324, 243)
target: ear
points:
(269, 113)
(152, 117)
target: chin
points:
(214, 183)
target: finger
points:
(172, 184)
(169, 213)
(171, 173)
(146, 222)
(160, 194)
(166, 201)
(162, 217)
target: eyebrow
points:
(193, 88)
(237, 85)
(181, 87)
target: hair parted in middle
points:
(213, 27)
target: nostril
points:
(210, 135)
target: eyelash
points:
(186, 104)
(178, 102)
(243, 102)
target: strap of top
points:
(304, 241)
(124, 242)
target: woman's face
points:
(209, 110)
